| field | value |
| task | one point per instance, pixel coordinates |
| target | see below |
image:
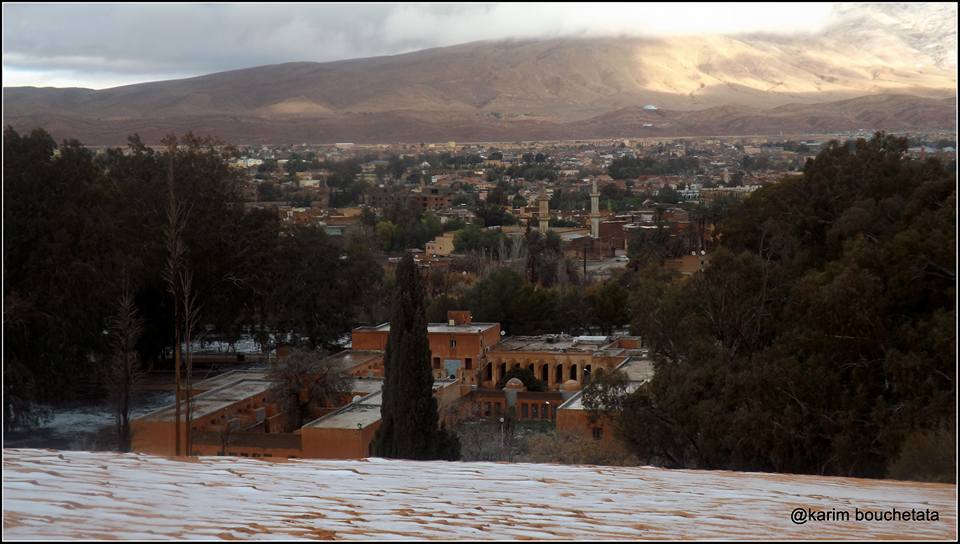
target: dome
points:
(570, 385)
(514, 383)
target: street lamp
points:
(501, 434)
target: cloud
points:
(99, 45)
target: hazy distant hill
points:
(563, 86)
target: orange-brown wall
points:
(577, 422)
(369, 340)
(468, 344)
(248, 451)
(154, 437)
(337, 443)
(551, 360)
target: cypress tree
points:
(408, 429)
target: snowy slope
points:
(70, 494)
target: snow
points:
(79, 425)
(51, 494)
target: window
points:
(546, 411)
(468, 363)
(597, 433)
(525, 413)
(534, 411)
(487, 409)
(453, 344)
(436, 362)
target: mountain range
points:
(885, 66)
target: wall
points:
(281, 445)
(577, 422)
(153, 437)
(337, 443)
(503, 361)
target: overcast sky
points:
(105, 45)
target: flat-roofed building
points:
(348, 433)
(556, 358)
(574, 419)
(456, 347)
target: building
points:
(556, 358)
(456, 347)
(574, 419)
(241, 413)
(441, 245)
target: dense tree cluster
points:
(405, 225)
(77, 222)
(821, 338)
(628, 167)
(524, 308)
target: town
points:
(527, 252)
(636, 271)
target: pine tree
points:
(409, 426)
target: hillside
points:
(538, 88)
(69, 494)
(883, 112)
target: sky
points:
(106, 45)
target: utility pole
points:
(584, 263)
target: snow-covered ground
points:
(83, 425)
(50, 494)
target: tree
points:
(819, 339)
(74, 218)
(603, 396)
(610, 306)
(409, 410)
(123, 373)
(308, 382)
(526, 376)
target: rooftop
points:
(560, 343)
(365, 411)
(439, 328)
(639, 371)
(350, 358)
(362, 414)
(213, 400)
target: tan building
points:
(554, 359)
(456, 347)
(239, 413)
(574, 419)
(441, 245)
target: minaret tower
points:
(544, 214)
(594, 212)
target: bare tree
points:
(179, 280)
(307, 380)
(124, 373)
(190, 311)
(176, 218)
(225, 432)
